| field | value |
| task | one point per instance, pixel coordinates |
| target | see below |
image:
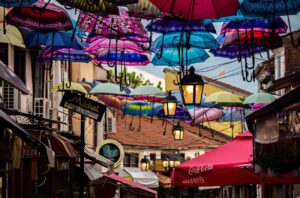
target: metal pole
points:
(82, 156)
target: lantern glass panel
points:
(178, 134)
(188, 92)
(171, 163)
(170, 108)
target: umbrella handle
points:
(150, 39)
(131, 127)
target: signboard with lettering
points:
(111, 150)
(81, 104)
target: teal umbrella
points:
(146, 90)
(107, 89)
(259, 98)
(183, 56)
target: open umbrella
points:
(145, 9)
(181, 112)
(265, 98)
(198, 9)
(171, 57)
(52, 39)
(107, 89)
(264, 8)
(16, 3)
(12, 36)
(224, 98)
(236, 51)
(41, 16)
(69, 86)
(64, 54)
(146, 90)
(277, 25)
(206, 114)
(7, 75)
(171, 25)
(110, 101)
(194, 39)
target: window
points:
(4, 52)
(20, 63)
(131, 160)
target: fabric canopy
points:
(145, 178)
(229, 164)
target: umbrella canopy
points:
(69, 86)
(94, 6)
(198, 9)
(144, 9)
(170, 57)
(111, 26)
(226, 165)
(171, 25)
(263, 8)
(51, 39)
(103, 45)
(16, 3)
(107, 89)
(39, 17)
(195, 39)
(110, 101)
(235, 51)
(260, 98)
(129, 57)
(64, 54)
(12, 36)
(11, 78)
(181, 112)
(224, 98)
(200, 115)
(276, 25)
(131, 37)
(146, 90)
(238, 17)
(138, 108)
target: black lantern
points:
(145, 164)
(191, 86)
(170, 105)
(178, 131)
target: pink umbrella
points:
(206, 114)
(110, 101)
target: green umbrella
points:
(108, 89)
(146, 90)
(260, 98)
(224, 98)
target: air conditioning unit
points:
(10, 97)
(42, 107)
(111, 125)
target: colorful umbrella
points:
(198, 9)
(276, 25)
(87, 87)
(206, 114)
(110, 101)
(171, 25)
(259, 98)
(238, 17)
(64, 54)
(262, 8)
(69, 86)
(131, 37)
(107, 89)
(16, 3)
(146, 90)
(94, 6)
(181, 112)
(12, 36)
(111, 26)
(41, 17)
(236, 51)
(52, 39)
(128, 58)
(103, 45)
(7, 75)
(144, 9)
(194, 39)
(170, 57)
(224, 98)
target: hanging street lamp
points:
(178, 131)
(165, 161)
(145, 164)
(170, 105)
(192, 86)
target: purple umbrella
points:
(233, 51)
(181, 112)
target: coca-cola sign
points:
(200, 169)
(195, 180)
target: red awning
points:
(116, 178)
(230, 164)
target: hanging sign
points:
(81, 104)
(112, 150)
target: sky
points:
(229, 66)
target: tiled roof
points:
(151, 135)
(222, 84)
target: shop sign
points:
(82, 105)
(111, 150)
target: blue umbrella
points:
(181, 112)
(16, 3)
(238, 17)
(236, 51)
(78, 32)
(51, 39)
(195, 39)
(168, 26)
(263, 8)
(170, 57)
